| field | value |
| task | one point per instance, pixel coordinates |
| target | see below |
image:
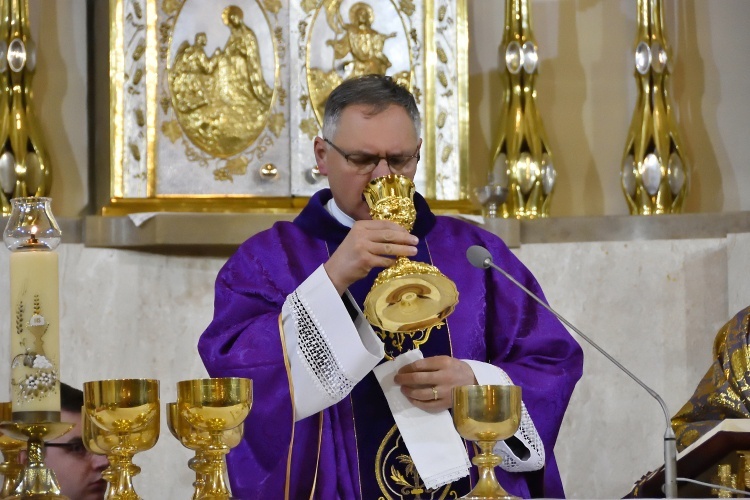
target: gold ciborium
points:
(197, 441)
(208, 410)
(408, 296)
(125, 418)
(10, 468)
(487, 414)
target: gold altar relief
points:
(215, 104)
(398, 477)
(358, 48)
(222, 101)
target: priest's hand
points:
(369, 244)
(428, 383)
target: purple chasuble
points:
(317, 457)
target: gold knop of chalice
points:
(408, 296)
(207, 416)
(487, 414)
(197, 441)
(123, 419)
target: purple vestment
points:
(493, 322)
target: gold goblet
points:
(197, 441)
(487, 414)
(207, 411)
(127, 411)
(408, 296)
(10, 448)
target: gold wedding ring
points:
(434, 393)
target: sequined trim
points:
(313, 349)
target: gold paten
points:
(123, 420)
(654, 174)
(10, 448)
(24, 162)
(487, 414)
(36, 481)
(522, 159)
(408, 297)
(208, 418)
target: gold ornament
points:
(522, 160)
(654, 175)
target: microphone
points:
(480, 257)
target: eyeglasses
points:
(75, 447)
(365, 163)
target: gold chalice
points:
(10, 468)
(408, 296)
(125, 418)
(208, 410)
(120, 473)
(197, 441)
(487, 414)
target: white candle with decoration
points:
(32, 234)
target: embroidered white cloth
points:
(431, 438)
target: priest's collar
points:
(320, 219)
(339, 214)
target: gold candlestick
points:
(10, 448)
(522, 160)
(24, 163)
(32, 234)
(654, 175)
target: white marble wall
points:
(655, 305)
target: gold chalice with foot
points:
(195, 440)
(10, 448)
(208, 410)
(119, 473)
(487, 414)
(408, 296)
(127, 410)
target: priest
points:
(288, 315)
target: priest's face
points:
(363, 136)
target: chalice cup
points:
(487, 414)
(127, 411)
(490, 197)
(409, 296)
(10, 448)
(195, 440)
(208, 410)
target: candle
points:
(31, 235)
(35, 344)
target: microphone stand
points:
(670, 446)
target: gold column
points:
(522, 160)
(24, 163)
(654, 175)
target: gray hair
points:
(375, 91)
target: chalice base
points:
(488, 488)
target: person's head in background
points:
(78, 472)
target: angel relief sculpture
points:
(358, 49)
(222, 101)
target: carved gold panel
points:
(217, 102)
